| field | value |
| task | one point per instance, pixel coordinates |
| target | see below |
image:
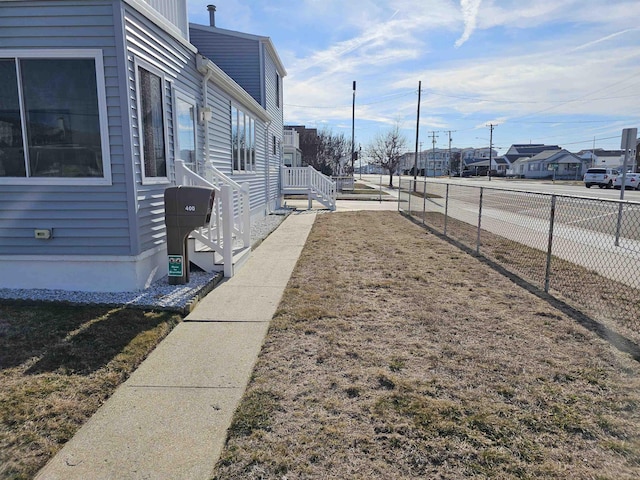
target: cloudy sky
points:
(563, 72)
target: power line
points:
(530, 102)
(384, 98)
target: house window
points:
(51, 118)
(185, 121)
(243, 141)
(277, 90)
(151, 105)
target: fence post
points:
(619, 223)
(424, 201)
(446, 210)
(547, 273)
(479, 221)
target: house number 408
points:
(190, 208)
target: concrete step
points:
(211, 261)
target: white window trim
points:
(137, 64)
(191, 100)
(96, 56)
(246, 160)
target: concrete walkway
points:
(169, 419)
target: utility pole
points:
(415, 160)
(450, 152)
(433, 142)
(491, 125)
(353, 130)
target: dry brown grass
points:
(58, 364)
(610, 302)
(395, 355)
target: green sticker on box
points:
(176, 263)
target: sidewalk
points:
(169, 419)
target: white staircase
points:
(225, 243)
(310, 182)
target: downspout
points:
(205, 109)
(204, 112)
(267, 166)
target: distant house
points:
(307, 142)
(599, 157)
(559, 164)
(292, 154)
(105, 105)
(527, 150)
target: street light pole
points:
(415, 159)
(490, 148)
(353, 130)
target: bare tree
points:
(325, 149)
(332, 148)
(385, 150)
(455, 161)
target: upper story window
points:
(53, 118)
(277, 90)
(243, 141)
(152, 125)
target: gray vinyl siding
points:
(149, 43)
(220, 145)
(271, 75)
(85, 219)
(237, 57)
(173, 10)
(127, 217)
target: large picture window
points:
(243, 141)
(151, 95)
(50, 118)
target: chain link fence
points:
(585, 251)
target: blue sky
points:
(560, 72)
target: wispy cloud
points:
(604, 39)
(538, 64)
(470, 10)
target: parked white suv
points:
(601, 176)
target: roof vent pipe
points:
(212, 15)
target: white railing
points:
(323, 185)
(291, 138)
(230, 225)
(344, 182)
(309, 181)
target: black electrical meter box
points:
(185, 209)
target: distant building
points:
(599, 157)
(291, 153)
(559, 164)
(307, 143)
(527, 150)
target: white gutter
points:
(267, 166)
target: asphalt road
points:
(573, 188)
